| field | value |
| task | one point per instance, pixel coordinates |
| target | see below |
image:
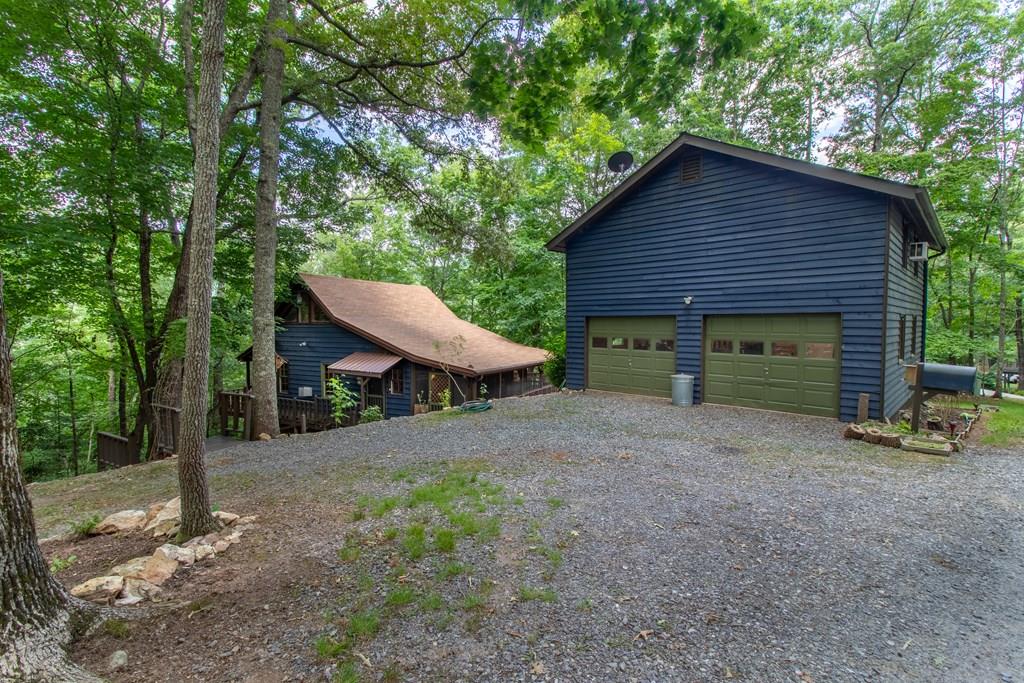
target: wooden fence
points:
(112, 451)
(236, 414)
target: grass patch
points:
(328, 647)
(391, 533)
(455, 485)
(431, 602)
(348, 672)
(1005, 427)
(526, 594)
(466, 523)
(449, 570)
(401, 596)
(415, 542)
(555, 503)
(364, 624)
(473, 601)
(384, 505)
(349, 553)
(444, 540)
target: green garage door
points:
(633, 355)
(778, 362)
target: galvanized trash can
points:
(682, 390)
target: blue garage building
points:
(776, 283)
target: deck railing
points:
(112, 451)
(300, 415)
(235, 409)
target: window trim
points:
(396, 376)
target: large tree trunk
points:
(196, 517)
(38, 619)
(264, 369)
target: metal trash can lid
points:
(682, 376)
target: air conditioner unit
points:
(305, 392)
(918, 251)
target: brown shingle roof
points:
(411, 321)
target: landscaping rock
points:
(153, 511)
(221, 546)
(101, 590)
(133, 567)
(124, 521)
(166, 520)
(249, 519)
(226, 518)
(184, 556)
(118, 660)
(204, 551)
(136, 590)
(265, 437)
(158, 569)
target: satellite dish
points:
(620, 161)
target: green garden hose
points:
(478, 406)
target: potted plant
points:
(421, 405)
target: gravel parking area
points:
(637, 541)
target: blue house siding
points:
(326, 343)
(905, 297)
(746, 238)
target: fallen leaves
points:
(537, 668)
(644, 634)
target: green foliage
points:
(415, 542)
(444, 540)
(343, 398)
(401, 596)
(371, 414)
(59, 564)
(554, 367)
(85, 526)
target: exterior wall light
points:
(687, 300)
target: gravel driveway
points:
(643, 542)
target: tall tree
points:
(38, 618)
(196, 516)
(264, 368)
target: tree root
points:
(40, 653)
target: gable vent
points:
(693, 167)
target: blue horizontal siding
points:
(745, 239)
(324, 344)
(905, 296)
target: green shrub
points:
(85, 526)
(371, 414)
(554, 367)
(403, 595)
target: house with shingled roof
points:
(398, 345)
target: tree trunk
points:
(264, 369)
(1018, 332)
(74, 420)
(38, 619)
(122, 402)
(196, 517)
